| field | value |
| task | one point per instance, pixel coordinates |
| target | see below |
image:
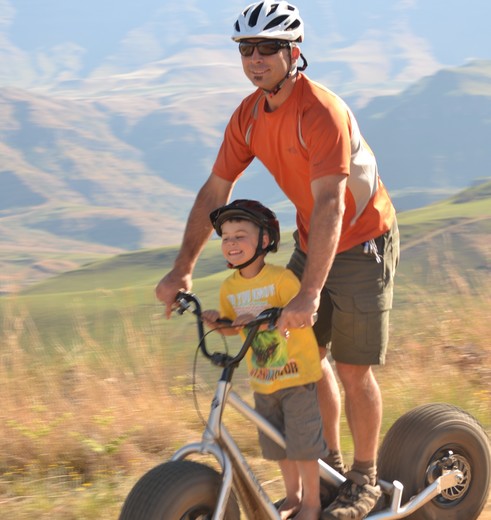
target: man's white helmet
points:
(268, 19)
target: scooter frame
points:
(236, 472)
(217, 441)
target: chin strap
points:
(291, 73)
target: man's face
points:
(266, 71)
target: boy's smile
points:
(239, 241)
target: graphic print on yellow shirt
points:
(269, 349)
(273, 361)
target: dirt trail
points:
(486, 514)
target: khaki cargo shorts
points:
(295, 413)
(355, 302)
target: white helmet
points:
(268, 19)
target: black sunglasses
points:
(265, 48)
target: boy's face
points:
(239, 240)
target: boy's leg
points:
(302, 484)
(311, 504)
(330, 406)
(293, 487)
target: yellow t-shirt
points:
(273, 361)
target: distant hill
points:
(85, 178)
(445, 246)
(434, 136)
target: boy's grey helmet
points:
(254, 211)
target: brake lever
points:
(183, 306)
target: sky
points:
(360, 45)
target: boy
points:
(283, 372)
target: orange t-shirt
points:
(312, 134)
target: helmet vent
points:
(255, 15)
(277, 21)
(293, 25)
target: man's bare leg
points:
(363, 405)
(329, 403)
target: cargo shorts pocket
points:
(371, 320)
(361, 328)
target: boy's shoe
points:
(356, 498)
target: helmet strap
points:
(305, 63)
(293, 72)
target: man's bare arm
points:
(325, 230)
(214, 193)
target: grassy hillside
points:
(463, 220)
(445, 245)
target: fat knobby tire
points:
(177, 490)
(413, 447)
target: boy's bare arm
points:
(211, 318)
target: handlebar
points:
(186, 301)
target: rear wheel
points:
(177, 490)
(426, 441)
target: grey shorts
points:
(355, 301)
(294, 412)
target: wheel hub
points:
(448, 461)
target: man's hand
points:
(299, 313)
(167, 289)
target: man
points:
(347, 239)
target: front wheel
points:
(177, 490)
(429, 439)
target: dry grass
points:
(440, 351)
(75, 423)
(79, 426)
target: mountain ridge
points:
(118, 173)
